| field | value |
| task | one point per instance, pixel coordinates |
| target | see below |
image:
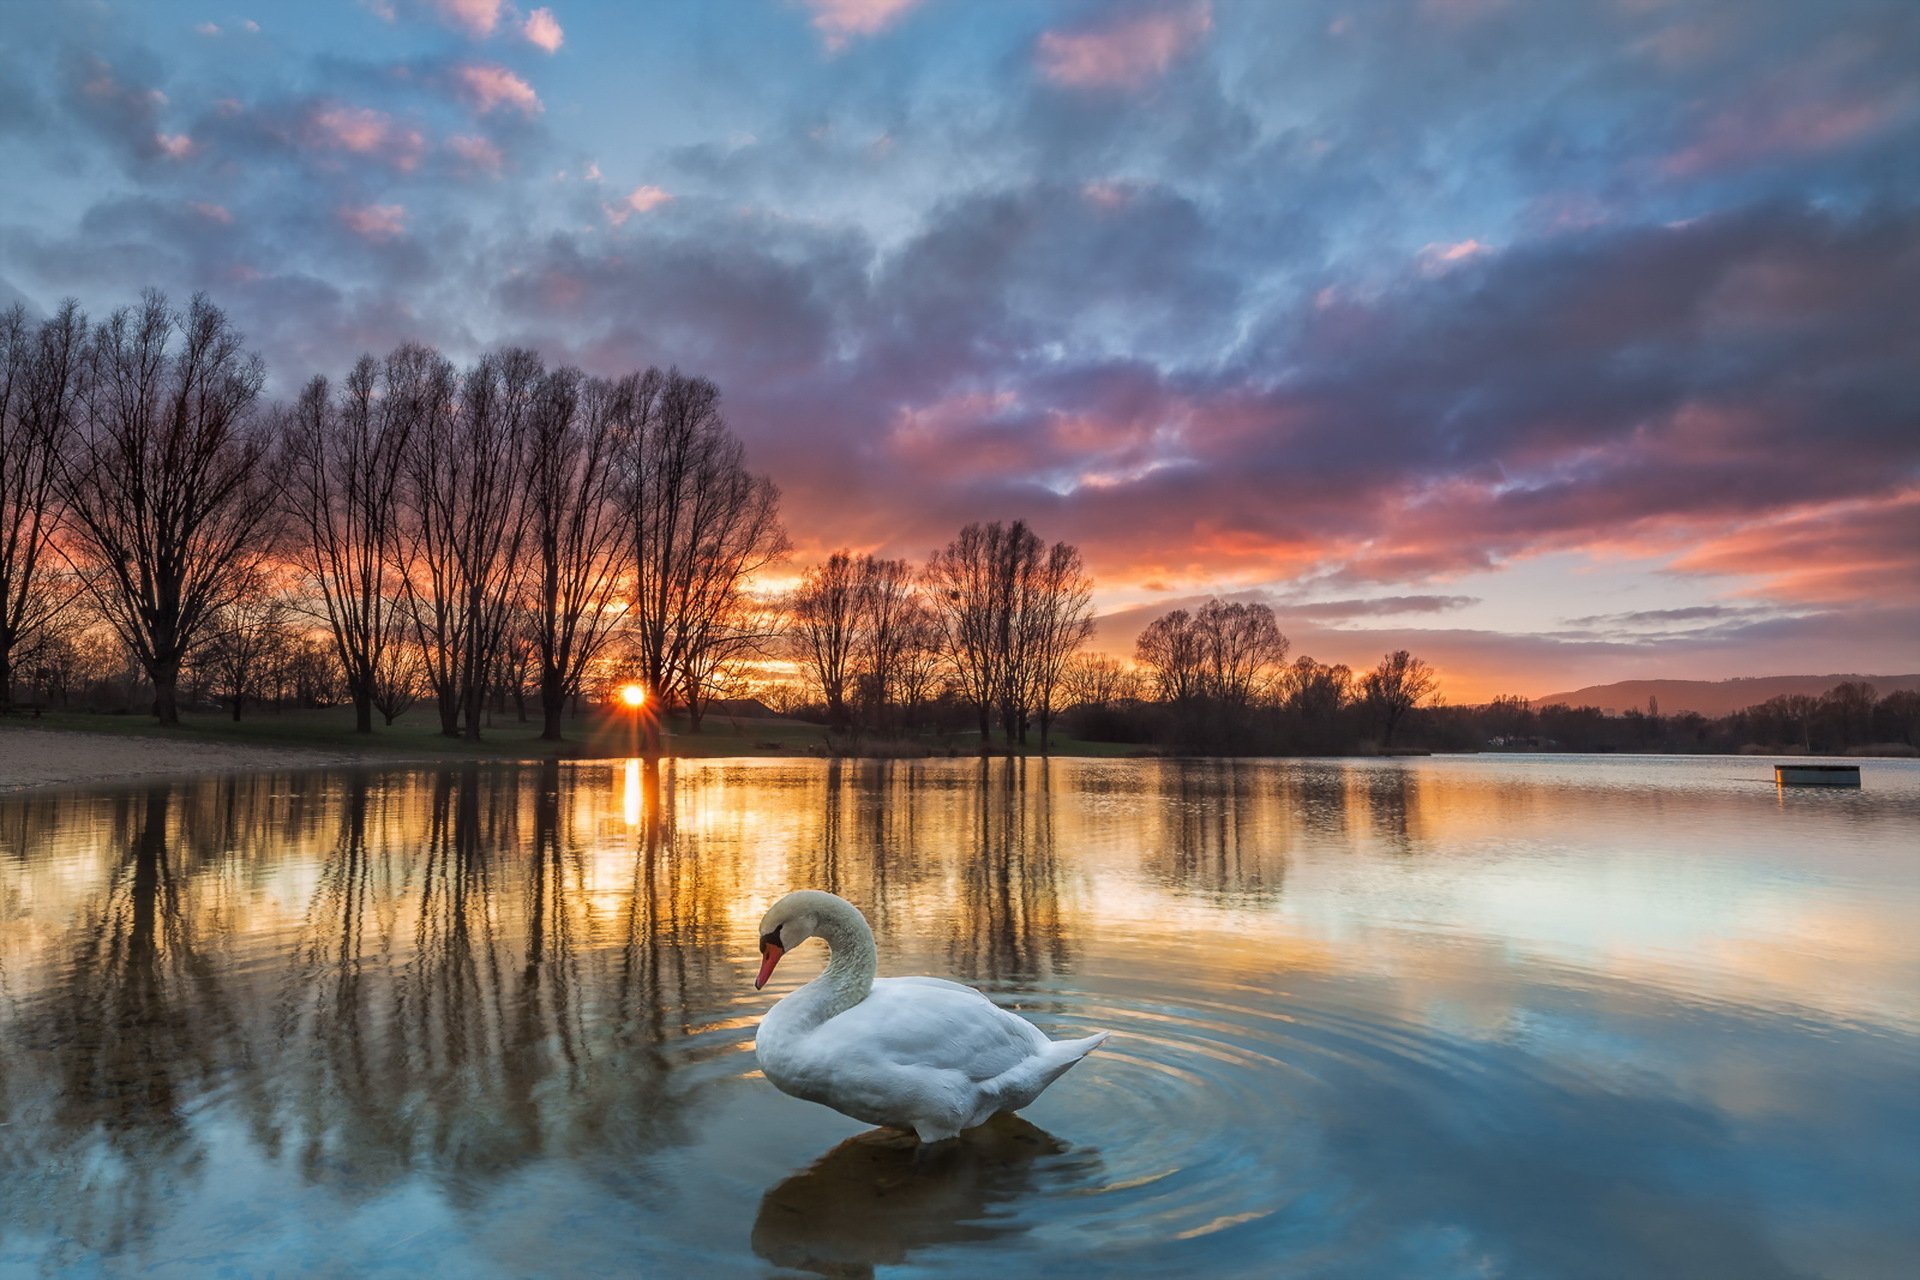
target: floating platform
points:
(1816, 775)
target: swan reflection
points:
(877, 1198)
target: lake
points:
(1475, 1016)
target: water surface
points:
(1453, 1017)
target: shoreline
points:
(33, 758)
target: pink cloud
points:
(543, 29)
(479, 153)
(1756, 131)
(639, 200)
(364, 131)
(176, 145)
(1437, 258)
(839, 21)
(489, 87)
(212, 212)
(1125, 54)
(378, 223)
(475, 17)
(1840, 552)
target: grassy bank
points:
(596, 734)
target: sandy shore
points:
(52, 757)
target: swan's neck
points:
(851, 966)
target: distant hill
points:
(1711, 697)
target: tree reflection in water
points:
(1219, 835)
(1008, 927)
(138, 1027)
(488, 1024)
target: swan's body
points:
(910, 1053)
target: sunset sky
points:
(1558, 342)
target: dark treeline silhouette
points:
(418, 531)
(990, 624)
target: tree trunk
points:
(449, 714)
(238, 698)
(166, 692)
(476, 705)
(363, 711)
(553, 703)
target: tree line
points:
(439, 532)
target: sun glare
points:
(633, 695)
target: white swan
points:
(909, 1053)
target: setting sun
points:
(633, 695)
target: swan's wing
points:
(937, 1025)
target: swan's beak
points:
(770, 954)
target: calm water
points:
(1460, 1017)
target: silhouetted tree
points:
(579, 531)
(245, 633)
(41, 367)
(702, 526)
(824, 631)
(171, 508)
(1169, 650)
(1396, 686)
(344, 463)
(465, 523)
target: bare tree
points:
(1314, 691)
(244, 635)
(1170, 651)
(1241, 646)
(970, 602)
(1056, 618)
(464, 521)
(702, 526)
(824, 624)
(170, 504)
(344, 466)
(40, 380)
(578, 428)
(1398, 684)
(891, 609)
(917, 659)
(1098, 680)
(399, 672)
(421, 383)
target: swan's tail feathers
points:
(1064, 1053)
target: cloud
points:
(1126, 53)
(477, 18)
(479, 154)
(378, 223)
(1373, 607)
(363, 131)
(487, 88)
(642, 199)
(1767, 129)
(127, 115)
(840, 21)
(542, 29)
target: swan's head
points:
(791, 921)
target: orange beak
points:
(769, 956)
